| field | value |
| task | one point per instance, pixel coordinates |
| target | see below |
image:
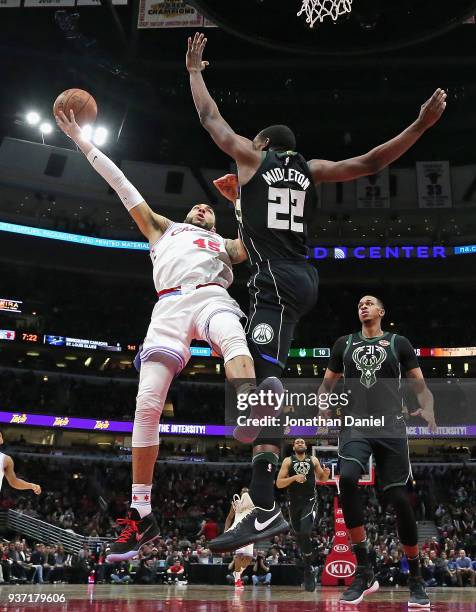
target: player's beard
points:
(198, 223)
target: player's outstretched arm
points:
(324, 171)
(237, 147)
(150, 223)
(424, 397)
(14, 481)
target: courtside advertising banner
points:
(169, 14)
(373, 191)
(434, 184)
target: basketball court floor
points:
(212, 598)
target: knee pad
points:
(149, 408)
(155, 380)
(226, 333)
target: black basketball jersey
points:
(307, 489)
(275, 208)
(372, 369)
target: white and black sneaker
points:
(257, 524)
(137, 533)
(418, 595)
(364, 583)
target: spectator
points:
(62, 561)
(49, 562)
(274, 558)
(261, 573)
(37, 560)
(121, 574)
(209, 529)
(17, 559)
(464, 568)
(176, 571)
(443, 576)
(145, 574)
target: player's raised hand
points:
(196, 46)
(432, 110)
(429, 415)
(228, 187)
(327, 474)
(68, 126)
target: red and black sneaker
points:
(137, 533)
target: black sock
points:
(361, 551)
(307, 559)
(415, 567)
(262, 484)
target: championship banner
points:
(374, 191)
(434, 184)
(170, 14)
(9, 3)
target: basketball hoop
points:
(318, 10)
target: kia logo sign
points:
(340, 521)
(341, 569)
(341, 548)
(341, 534)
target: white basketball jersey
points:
(2, 468)
(189, 255)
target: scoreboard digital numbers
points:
(30, 337)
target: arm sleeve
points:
(336, 360)
(406, 353)
(128, 194)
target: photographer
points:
(261, 573)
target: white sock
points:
(141, 499)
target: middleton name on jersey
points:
(287, 175)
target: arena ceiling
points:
(327, 90)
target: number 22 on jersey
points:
(288, 204)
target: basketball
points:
(81, 102)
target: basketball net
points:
(318, 10)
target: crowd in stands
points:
(104, 399)
(191, 503)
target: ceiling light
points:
(32, 118)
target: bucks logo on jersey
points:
(368, 360)
(302, 467)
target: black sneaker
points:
(364, 583)
(247, 434)
(418, 597)
(137, 533)
(257, 524)
(309, 578)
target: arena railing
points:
(40, 531)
